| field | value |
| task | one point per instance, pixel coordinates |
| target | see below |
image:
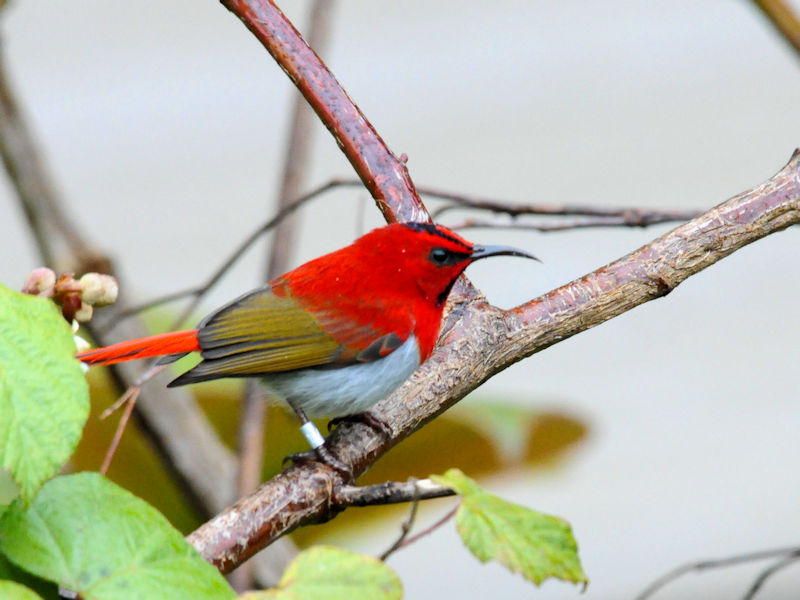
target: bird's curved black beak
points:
(479, 252)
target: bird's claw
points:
(367, 418)
(325, 456)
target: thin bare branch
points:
(390, 492)
(405, 527)
(718, 563)
(130, 401)
(427, 531)
(769, 572)
(562, 225)
(636, 217)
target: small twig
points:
(151, 372)
(130, 397)
(407, 524)
(769, 572)
(428, 530)
(390, 492)
(704, 565)
(462, 201)
(563, 225)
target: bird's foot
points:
(367, 418)
(325, 456)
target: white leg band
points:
(312, 434)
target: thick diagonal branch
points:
(480, 340)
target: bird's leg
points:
(309, 430)
(367, 418)
(318, 450)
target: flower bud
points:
(98, 289)
(40, 282)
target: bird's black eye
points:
(439, 256)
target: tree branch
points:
(480, 340)
(702, 565)
(769, 572)
(784, 19)
(389, 492)
(561, 225)
(383, 174)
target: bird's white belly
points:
(336, 392)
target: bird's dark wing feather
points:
(261, 333)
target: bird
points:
(333, 336)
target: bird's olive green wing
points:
(262, 333)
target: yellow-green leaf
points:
(90, 536)
(44, 399)
(328, 573)
(536, 545)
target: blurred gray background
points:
(164, 123)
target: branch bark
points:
(390, 492)
(782, 16)
(383, 174)
(480, 340)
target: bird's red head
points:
(423, 257)
(415, 258)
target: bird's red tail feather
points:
(176, 342)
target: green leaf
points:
(14, 591)
(44, 399)
(93, 537)
(328, 573)
(534, 544)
